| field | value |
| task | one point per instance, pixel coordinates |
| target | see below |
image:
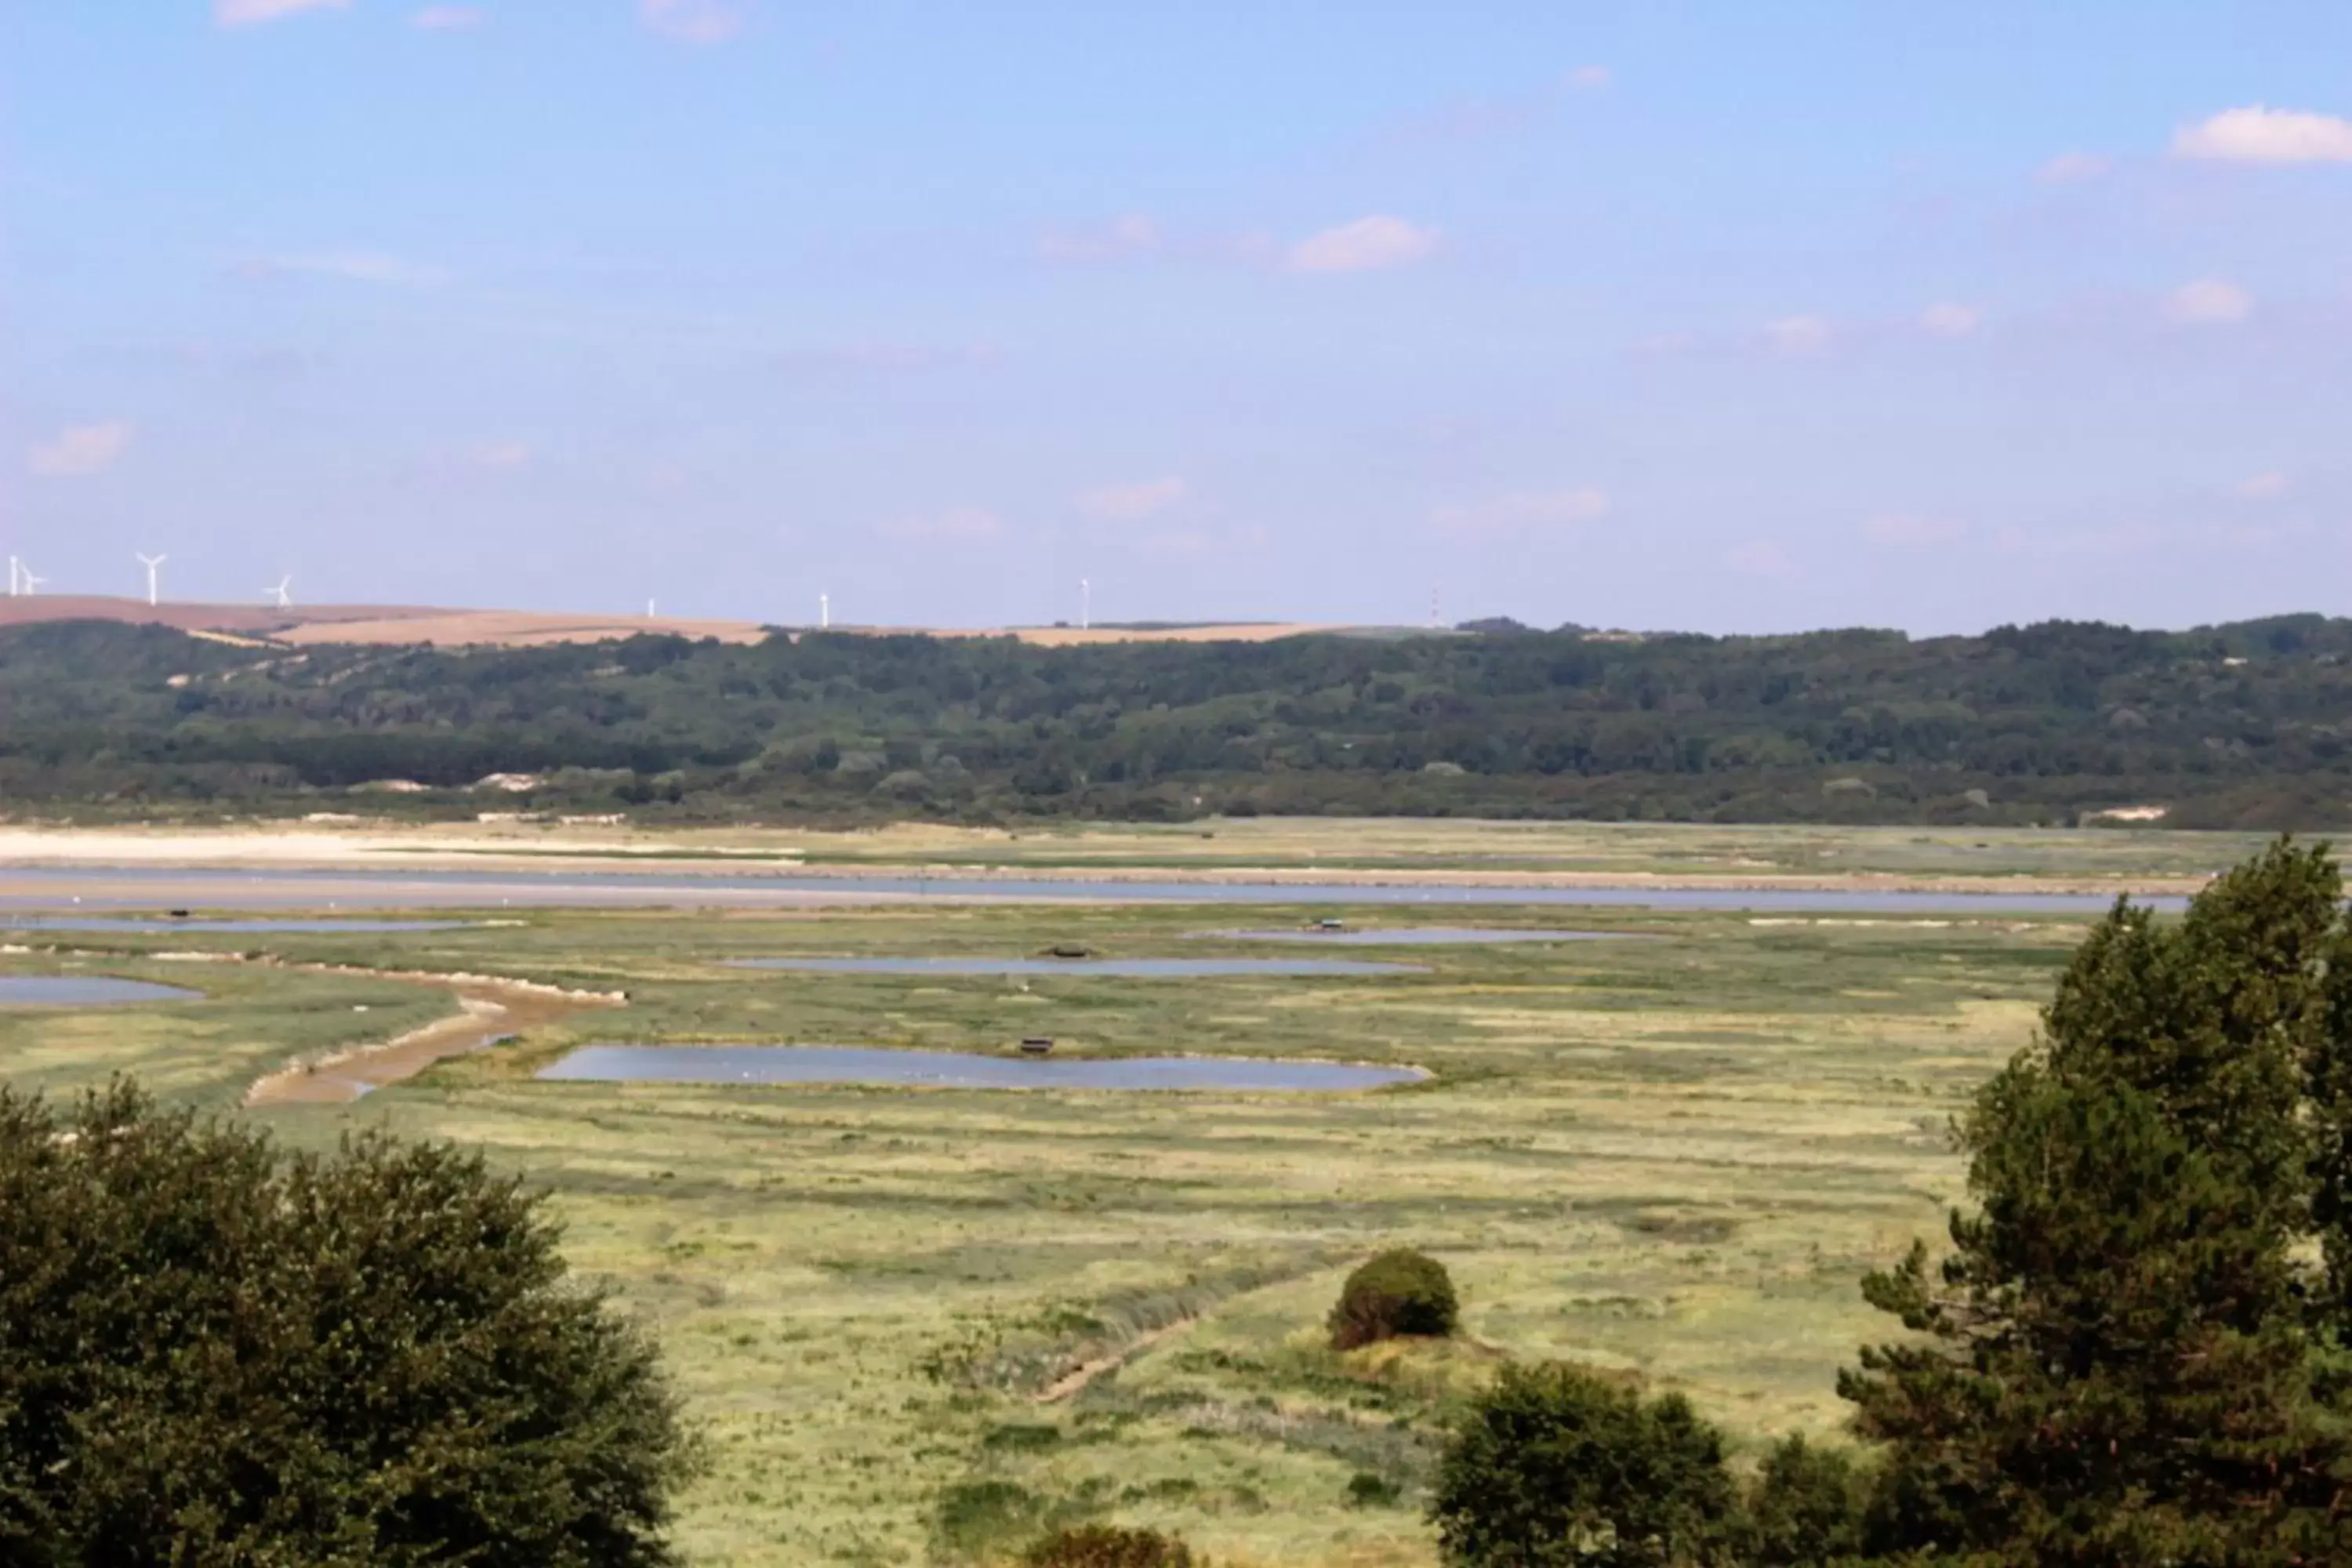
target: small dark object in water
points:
(1069, 950)
(1037, 1044)
(177, 914)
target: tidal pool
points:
(1082, 968)
(144, 888)
(949, 1069)
(160, 924)
(85, 990)
(1414, 936)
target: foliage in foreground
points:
(1399, 1293)
(1560, 1465)
(2134, 1352)
(211, 1352)
(2139, 1348)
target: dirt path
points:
(489, 1008)
(1070, 1385)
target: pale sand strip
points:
(294, 848)
(489, 1008)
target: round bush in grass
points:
(1107, 1546)
(1555, 1465)
(1399, 1293)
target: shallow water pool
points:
(162, 924)
(1415, 936)
(949, 1069)
(85, 990)
(1082, 968)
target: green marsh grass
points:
(1673, 1156)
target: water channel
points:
(949, 1069)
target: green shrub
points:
(1108, 1546)
(1805, 1508)
(211, 1352)
(1021, 1438)
(1366, 1490)
(976, 1518)
(1555, 1465)
(1398, 1293)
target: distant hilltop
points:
(2235, 726)
(305, 625)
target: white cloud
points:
(1586, 79)
(694, 21)
(2257, 134)
(80, 450)
(1909, 530)
(1367, 244)
(1120, 240)
(501, 456)
(2074, 169)
(2263, 487)
(1949, 320)
(1523, 512)
(1131, 502)
(956, 522)
(349, 266)
(245, 13)
(1798, 335)
(2209, 302)
(448, 19)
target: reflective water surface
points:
(84, 990)
(1416, 936)
(949, 1069)
(163, 924)
(1081, 968)
(144, 889)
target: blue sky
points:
(1707, 314)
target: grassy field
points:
(1675, 1155)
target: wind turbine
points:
(32, 583)
(15, 576)
(151, 563)
(283, 592)
(1085, 603)
(825, 611)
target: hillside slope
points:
(2245, 725)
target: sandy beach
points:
(312, 848)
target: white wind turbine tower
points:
(152, 562)
(15, 576)
(283, 593)
(32, 583)
(825, 611)
(1085, 603)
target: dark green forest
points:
(2248, 725)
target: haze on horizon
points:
(1696, 314)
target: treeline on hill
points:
(2243, 725)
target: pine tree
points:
(2120, 1362)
